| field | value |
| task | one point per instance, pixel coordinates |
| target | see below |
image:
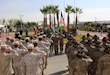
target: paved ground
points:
(57, 65)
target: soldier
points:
(88, 36)
(51, 46)
(6, 55)
(70, 41)
(17, 65)
(83, 39)
(44, 46)
(61, 42)
(55, 43)
(95, 39)
(95, 55)
(79, 65)
(31, 61)
(108, 35)
(26, 41)
(88, 45)
(72, 49)
(103, 67)
(9, 41)
(104, 44)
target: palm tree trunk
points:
(58, 18)
(76, 23)
(54, 21)
(68, 19)
(44, 21)
(50, 20)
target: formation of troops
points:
(90, 56)
(28, 56)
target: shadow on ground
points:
(60, 73)
(52, 54)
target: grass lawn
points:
(77, 37)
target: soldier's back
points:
(79, 66)
(104, 65)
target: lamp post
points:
(20, 15)
(95, 20)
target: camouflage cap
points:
(30, 46)
(16, 43)
(107, 49)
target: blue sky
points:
(92, 9)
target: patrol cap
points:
(40, 37)
(95, 37)
(16, 43)
(27, 38)
(30, 46)
(107, 49)
(3, 47)
(104, 39)
(88, 34)
(44, 35)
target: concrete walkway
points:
(57, 65)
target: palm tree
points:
(68, 10)
(77, 11)
(44, 11)
(49, 9)
(55, 11)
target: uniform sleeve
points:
(24, 51)
(41, 54)
(99, 67)
(23, 66)
(13, 53)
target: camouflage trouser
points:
(51, 48)
(56, 49)
(61, 47)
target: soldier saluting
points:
(79, 65)
(103, 67)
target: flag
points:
(37, 29)
(52, 26)
(63, 22)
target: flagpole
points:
(64, 10)
(74, 14)
(52, 2)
